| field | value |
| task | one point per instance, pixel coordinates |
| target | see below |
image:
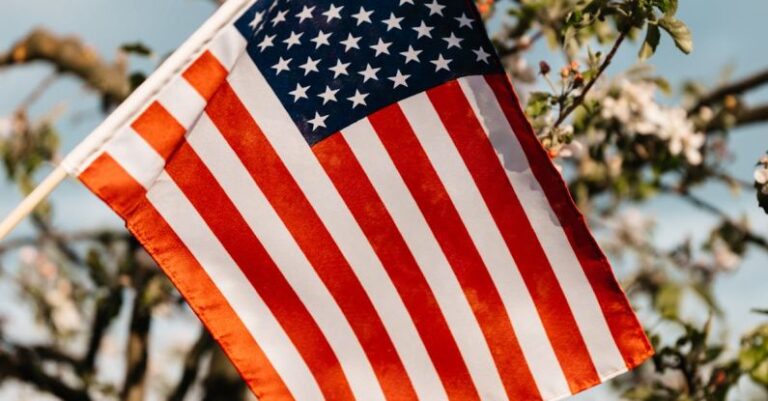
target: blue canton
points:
(332, 63)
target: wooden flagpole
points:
(30, 202)
(184, 55)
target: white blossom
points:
(28, 255)
(64, 313)
(635, 108)
(572, 149)
(6, 128)
(725, 259)
(761, 175)
(519, 68)
(682, 136)
(633, 226)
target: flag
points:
(349, 196)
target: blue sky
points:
(726, 34)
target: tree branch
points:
(70, 55)
(694, 200)
(583, 95)
(192, 365)
(137, 352)
(25, 366)
(223, 382)
(745, 116)
(733, 88)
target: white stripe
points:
(298, 158)
(228, 46)
(581, 298)
(458, 181)
(176, 209)
(253, 205)
(393, 191)
(182, 101)
(136, 156)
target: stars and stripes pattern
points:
(350, 198)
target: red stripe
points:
(368, 209)
(160, 129)
(267, 169)
(187, 275)
(110, 182)
(424, 184)
(209, 199)
(206, 74)
(491, 179)
(622, 321)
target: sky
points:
(727, 35)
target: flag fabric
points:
(349, 196)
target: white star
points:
(393, 22)
(358, 99)
(333, 12)
(321, 39)
(351, 42)
(310, 66)
(299, 93)
(339, 69)
(268, 41)
(318, 121)
(405, 2)
(453, 41)
(282, 65)
(399, 79)
(482, 55)
(411, 55)
(305, 13)
(362, 16)
(256, 20)
(369, 73)
(423, 30)
(280, 17)
(273, 5)
(435, 8)
(464, 21)
(381, 47)
(294, 39)
(329, 95)
(441, 63)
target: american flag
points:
(351, 199)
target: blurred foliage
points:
(617, 144)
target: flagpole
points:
(30, 202)
(84, 152)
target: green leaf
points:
(538, 104)
(753, 357)
(679, 32)
(667, 300)
(652, 37)
(668, 7)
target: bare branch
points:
(24, 365)
(702, 204)
(734, 88)
(743, 117)
(223, 382)
(192, 365)
(137, 352)
(564, 113)
(70, 55)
